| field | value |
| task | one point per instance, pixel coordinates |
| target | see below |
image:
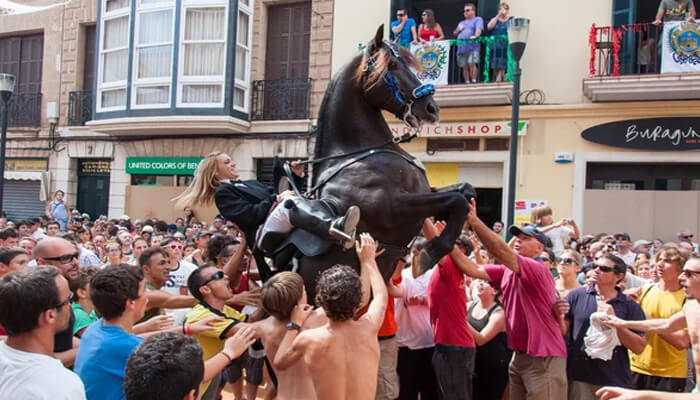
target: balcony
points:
(625, 65)
(282, 99)
(24, 111)
(80, 107)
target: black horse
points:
(357, 161)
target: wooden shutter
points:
(90, 59)
(31, 60)
(9, 56)
(288, 38)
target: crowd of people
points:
(144, 309)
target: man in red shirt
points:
(538, 368)
(453, 360)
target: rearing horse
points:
(358, 162)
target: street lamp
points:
(7, 86)
(517, 37)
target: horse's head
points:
(385, 76)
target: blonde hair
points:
(538, 213)
(575, 255)
(200, 191)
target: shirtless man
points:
(688, 317)
(343, 355)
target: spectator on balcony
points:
(429, 30)
(403, 30)
(675, 10)
(646, 57)
(498, 26)
(468, 52)
(57, 210)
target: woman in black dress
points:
(488, 324)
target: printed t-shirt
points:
(212, 342)
(176, 281)
(447, 301)
(527, 301)
(413, 322)
(659, 357)
(675, 10)
(36, 376)
(101, 360)
(82, 318)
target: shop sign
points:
(26, 164)
(162, 165)
(94, 167)
(523, 210)
(463, 129)
(648, 134)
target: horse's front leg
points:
(451, 207)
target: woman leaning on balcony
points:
(498, 26)
(429, 30)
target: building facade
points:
(144, 88)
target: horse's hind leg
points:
(451, 207)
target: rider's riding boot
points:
(318, 217)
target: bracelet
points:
(293, 326)
(183, 328)
(227, 356)
(188, 330)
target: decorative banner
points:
(434, 57)
(648, 134)
(463, 129)
(681, 47)
(523, 210)
(162, 165)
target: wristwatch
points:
(294, 326)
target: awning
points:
(43, 177)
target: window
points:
(241, 89)
(114, 55)
(23, 56)
(628, 176)
(202, 61)
(152, 180)
(152, 63)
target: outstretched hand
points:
(366, 248)
(610, 392)
(239, 342)
(471, 215)
(204, 325)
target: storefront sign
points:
(26, 164)
(162, 165)
(463, 129)
(648, 134)
(94, 167)
(523, 210)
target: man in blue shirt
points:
(586, 374)
(118, 295)
(403, 30)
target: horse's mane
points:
(381, 65)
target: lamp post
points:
(7, 86)
(517, 37)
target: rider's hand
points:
(285, 195)
(297, 169)
(366, 248)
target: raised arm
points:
(398, 28)
(233, 269)
(469, 267)
(675, 322)
(393, 289)
(492, 23)
(293, 343)
(366, 249)
(491, 241)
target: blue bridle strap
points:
(392, 85)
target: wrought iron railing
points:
(281, 99)
(79, 107)
(625, 50)
(24, 110)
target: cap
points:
(75, 212)
(202, 233)
(85, 215)
(124, 217)
(641, 242)
(147, 228)
(172, 227)
(624, 234)
(530, 230)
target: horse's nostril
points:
(431, 109)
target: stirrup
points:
(344, 228)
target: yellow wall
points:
(356, 21)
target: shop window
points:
(152, 180)
(624, 176)
(184, 180)
(496, 144)
(452, 145)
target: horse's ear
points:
(378, 37)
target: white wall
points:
(354, 22)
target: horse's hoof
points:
(425, 261)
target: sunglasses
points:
(64, 302)
(689, 273)
(64, 259)
(567, 261)
(400, 15)
(686, 236)
(176, 246)
(604, 268)
(218, 275)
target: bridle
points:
(392, 85)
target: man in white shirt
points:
(180, 271)
(34, 305)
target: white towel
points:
(600, 341)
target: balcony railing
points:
(281, 99)
(24, 110)
(79, 107)
(489, 46)
(625, 50)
